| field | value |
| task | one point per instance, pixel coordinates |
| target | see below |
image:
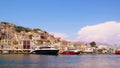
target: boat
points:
(117, 51)
(88, 51)
(45, 50)
(71, 52)
(5, 52)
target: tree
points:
(20, 28)
(30, 36)
(36, 30)
(93, 44)
(4, 22)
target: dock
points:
(15, 51)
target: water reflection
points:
(61, 61)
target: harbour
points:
(59, 61)
(60, 34)
(22, 40)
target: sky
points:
(76, 20)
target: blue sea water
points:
(60, 61)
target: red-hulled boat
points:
(117, 51)
(70, 52)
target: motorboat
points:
(45, 50)
(71, 52)
(117, 51)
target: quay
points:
(15, 51)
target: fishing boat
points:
(45, 50)
(71, 52)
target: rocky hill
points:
(12, 35)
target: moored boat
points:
(5, 52)
(117, 51)
(71, 52)
(45, 50)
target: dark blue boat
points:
(46, 50)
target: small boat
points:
(5, 52)
(71, 52)
(117, 51)
(45, 50)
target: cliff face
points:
(12, 36)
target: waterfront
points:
(60, 61)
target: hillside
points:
(11, 36)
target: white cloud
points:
(61, 35)
(107, 32)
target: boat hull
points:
(46, 52)
(70, 53)
(117, 51)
